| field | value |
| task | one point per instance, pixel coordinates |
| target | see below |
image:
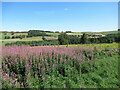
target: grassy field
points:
(53, 34)
(101, 46)
(4, 41)
(105, 75)
(76, 33)
(17, 34)
(38, 38)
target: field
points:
(62, 45)
(4, 41)
(38, 38)
(36, 65)
(52, 36)
(82, 66)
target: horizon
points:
(60, 31)
(60, 16)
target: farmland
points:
(38, 38)
(29, 64)
(62, 45)
(10, 37)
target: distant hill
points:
(72, 33)
(110, 32)
(92, 33)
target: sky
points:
(60, 16)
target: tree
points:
(84, 39)
(43, 38)
(36, 33)
(21, 37)
(63, 39)
(68, 31)
(13, 37)
(5, 33)
(12, 33)
(56, 31)
(7, 37)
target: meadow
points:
(82, 66)
(32, 62)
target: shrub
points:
(7, 37)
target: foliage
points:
(51, 67)
(63, 39)
(34, 43)
(36, 33)
(43, 38)
(7, 37)
(69, 32)
(84, 39)
(72, 38)
(12, 33)
(110, 38)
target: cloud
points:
(66, 9)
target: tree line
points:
(34, 43)
(13, 37)
(65, 39)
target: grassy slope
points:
(101, 73)
(24, 39)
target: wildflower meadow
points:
(58, 67)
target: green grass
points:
(100, 73)
(53, 34)
(8, 41)
(17, 34)
(39, 38)
(76, 33)
(3, 36)
(4, 41)
(32, 39)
